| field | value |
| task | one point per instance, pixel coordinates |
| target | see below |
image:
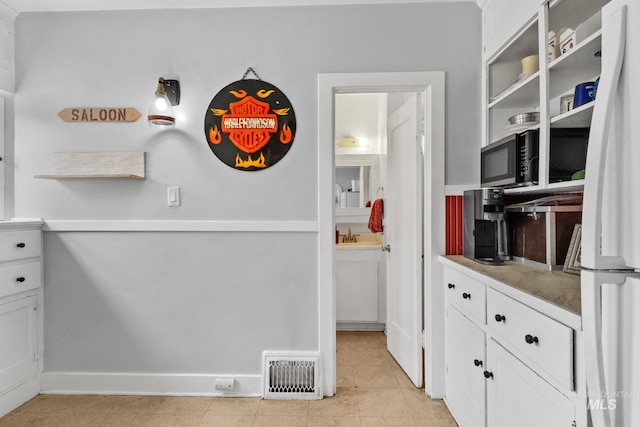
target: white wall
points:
(202, 302)
(358, 115)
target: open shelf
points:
(522, 94)
(98, 165)
(565, 186)
(579, 117)
(576, 66)
(90, 176)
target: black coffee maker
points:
(485, 226)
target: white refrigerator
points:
(610, 279)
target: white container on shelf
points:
(553, 46)
(567, 40)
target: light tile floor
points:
(372, 391)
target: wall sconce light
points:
(161, 110)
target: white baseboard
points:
(359, 326)
(147, 384)
(19, 395)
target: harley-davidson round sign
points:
(250, 125)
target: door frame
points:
(432, 85)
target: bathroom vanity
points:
(360, 284)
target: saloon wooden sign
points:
(98, 114)
(250, 125)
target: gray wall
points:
(137, 301)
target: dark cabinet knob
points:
(466, 295)
(530, 339)
(451, 286)
(488, 374)
(500, 318)
(477, 362)
(21, 245)
(20, 279)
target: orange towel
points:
(375, 219)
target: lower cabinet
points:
(360, 288)
(518, 396)
(508, 364)
(357, 291)
(20, 319)
(465, 382)
(19, 338)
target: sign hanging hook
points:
(250, 70)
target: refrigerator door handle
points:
(613, 47)
(591, 288)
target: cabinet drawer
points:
(20, 244)
(19, 278)
(466, 294)
(543, 341)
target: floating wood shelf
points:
(98, 165)
(91, 176)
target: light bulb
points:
(161, 112)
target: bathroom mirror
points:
(356, 182)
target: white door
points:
(403, 234)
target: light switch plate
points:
(173, 196)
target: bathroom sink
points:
(363, 241)
(359, 244)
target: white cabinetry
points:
(20, 320)
(514, 30)
(503, 18)
(465, 348)
(518, 396)
(7, 62)
(535, 374)
(507, 363)
(359, 289)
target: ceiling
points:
(17, 6)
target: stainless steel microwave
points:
(513, 161)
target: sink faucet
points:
(349, 238)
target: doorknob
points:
(386, 248)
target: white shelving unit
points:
(507, 92)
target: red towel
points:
(375, 220)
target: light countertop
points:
(560, 289)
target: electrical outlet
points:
(224, 384)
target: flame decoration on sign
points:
(264, 93)
(218, 111)
(285, 134)
(214, 135)
(282, 111)
(258, 163)
(239, 93)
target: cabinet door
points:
(465, 383)
(357, 291)
(518, 396)
(18, 338)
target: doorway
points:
(431, 86)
